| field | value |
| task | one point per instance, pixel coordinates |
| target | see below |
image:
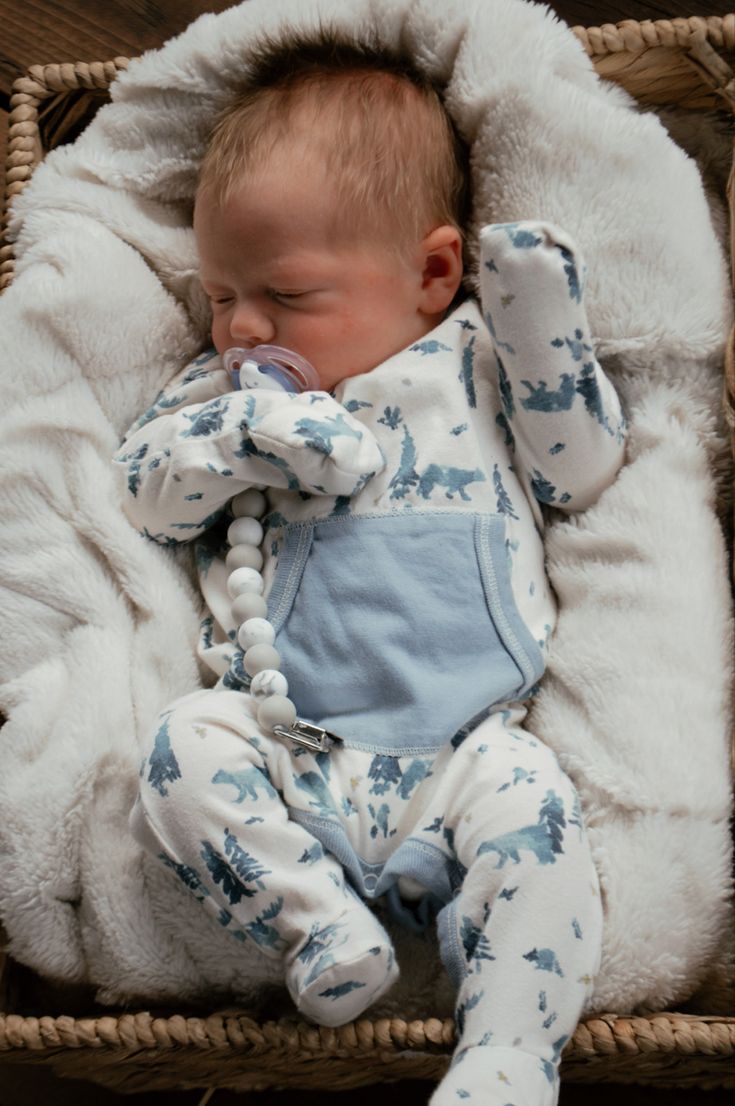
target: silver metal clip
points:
(307, 734)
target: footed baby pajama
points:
(404, 576)
(273, 839)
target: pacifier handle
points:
(288, 369)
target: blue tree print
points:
(550, 1066)
(406, 476)
(209, 420)
(505, 388)
(188, 876)
(204, 555)
(163, 766)
(542, 488)
(380, 820)
(589, 389)
(498, 344)
(460, 1013)
(134, 462)
(321, 940)
(248, 449)
(474, 942)
(236, 872)
(467, 373)
(505, 505)
(384, 771)
(570, 268)
(264, 934)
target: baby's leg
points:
(211, 808)
(522, 937)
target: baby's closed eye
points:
(289, 295)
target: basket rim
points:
(605, 1035)
(630, 35)
(635, 36)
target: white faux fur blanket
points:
(99, 626)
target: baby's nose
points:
(251, 326)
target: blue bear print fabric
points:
(279, 843)
(502, 410)
(404, 572)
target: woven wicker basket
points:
(685, 62)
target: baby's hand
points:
(330, 452)
(534, 262)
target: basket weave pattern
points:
(136, 1052)
(664, 61)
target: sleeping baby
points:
(371, 559)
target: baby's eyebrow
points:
(298, 266)
(205, 280)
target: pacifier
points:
(270, 367)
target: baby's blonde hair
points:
(377, 127)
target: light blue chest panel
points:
(396, 630)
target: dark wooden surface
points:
(31, 1086)
(44, 31)
(38, 32)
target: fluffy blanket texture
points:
(99, 626)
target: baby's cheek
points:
(221, 334)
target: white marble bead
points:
(244, 579)
(256, 631)
(248, 605)
(250, 503)
(258, 657)
(268, 682)
(244, 556)
(245, 531)
(276, 711)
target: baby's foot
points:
(343, 968)
(495, 1076)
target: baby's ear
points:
(442, 269)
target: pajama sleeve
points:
(200, 444)
(560, 413)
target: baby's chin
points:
(331, 376)
(329, 381)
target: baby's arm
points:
(200, 444)
(558, 407)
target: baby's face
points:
(277, 270)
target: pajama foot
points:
(342, 969)
(494, 1076)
